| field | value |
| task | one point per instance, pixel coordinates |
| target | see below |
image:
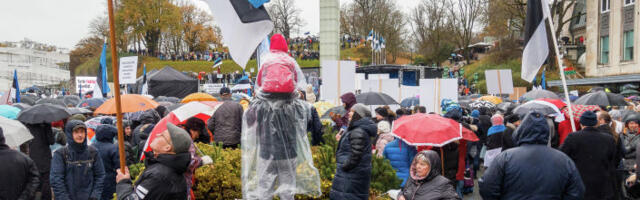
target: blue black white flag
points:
(536, 48)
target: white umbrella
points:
(241, 87)
(15, 133)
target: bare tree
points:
(431, 30)
(465, 15)
(286, 16)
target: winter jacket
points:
(353, 159)
(382, 141)
(400, 155)
(108, 152)
(76, 169)
(484, 123)
(593, 153)
(226, 123)
(315, 127)
(162, 179)
(39, 147)
(619, 146)
(433, 186)
(20, 178)
(349, 99)
(532, 170)
(629, 140)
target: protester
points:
(495, 138)
(400, 155)
(348, 100)
(383, 138)
(532, 170)
(353, 159)
(310, 95)
(130, 146)
(607, 125)
(425, 181)
(226, 122)
(385, 113)
(20, 178)
(513, 121)
(314, 125)
(108, 152)
(40, 153)
(196, 129)
(77, 172)
(165, 164)
(630, 138)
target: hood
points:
(533, 130)
(278, 43)
(367, 125)
(106, 133)
(149, 117)
(434, 162)
(178, 162)
(349, 99)
(454, 114)
(68, 131)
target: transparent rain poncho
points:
(276, 155)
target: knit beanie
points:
(362, 110)
(497, 119)
(475, 113)
(589, 118)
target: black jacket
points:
(108, 152)
(19, 174)
(162, 179)
(450, 160)
(226, 123)
(532, 170)
(39, 150)
(484, 123)
(594, 155)
(433, 186)
(315, 127)
(353, 160)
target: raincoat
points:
(276, 155)
(532, 170)
(108, 152)
(76, 169)
(433, 186)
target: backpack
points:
(278, 75)
(65, 156)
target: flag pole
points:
(561, 69)
(116, 83)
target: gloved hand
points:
(206, 160)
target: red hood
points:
(278, 43)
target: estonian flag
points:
(370, 36)
(101, 80)
(145, 85)
(15, 86)
(536, 48)
(217, 62)
(243, 26)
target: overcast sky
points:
(64, 22)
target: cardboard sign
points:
(128, 68)
(433, 91)
(517, 93)
(85, 84)
(212, 88)
(337, 79)
(499, 81)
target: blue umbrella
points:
(411, 101)
(92, 102)
(9, 111)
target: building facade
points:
(35, 66)
(611, 38)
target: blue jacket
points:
(108, 152)
(400, 155)
(353, 160)
(76, 169)
(532, 170)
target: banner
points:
(212, 88)
(85, 84)
(128, 68)
(433, 91)
(337, 79)
(499, 81)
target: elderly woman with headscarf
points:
(425, 181)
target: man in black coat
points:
(594, 155)
(165, 164)
(40, 152)
(20, 178)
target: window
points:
(604, 50)
(605, 6)
(629, 2)
(627, 44)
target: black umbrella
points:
(174, 99)
(411, 101)
(92, 102)
(43, 113)
(482, 104)
(507, 107)
(539, 94)
(74, 111)
(174, 106)
(22, 106)
(28, 99)
(629, 92)
(542, 107)
(465, 103)
(375, 98)
(51, 101)
(602, 98)
(626, 114)
(161, 98)
(71, 100)
(336, 110)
